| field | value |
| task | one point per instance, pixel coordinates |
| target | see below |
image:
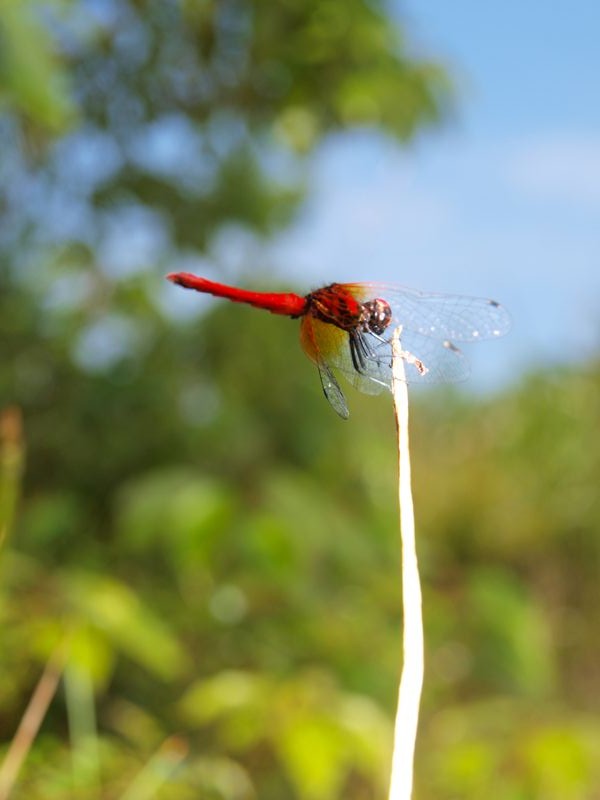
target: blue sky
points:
(504, 201)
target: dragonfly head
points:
(377, 317)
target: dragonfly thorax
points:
(376, 316)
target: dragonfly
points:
(347, 328)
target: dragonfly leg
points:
(359, 351)
(362, 351)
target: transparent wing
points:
(329, 347)
(427, 361)
(449, 317)
(320, 341)
(332, 391)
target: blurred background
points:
(200, 555)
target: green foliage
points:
(32, 79)
(520, 750)
(240, 589)
(196, 112)
(318, 734)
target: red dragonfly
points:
(348, 327)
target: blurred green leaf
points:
(316, 757)
(118, 612)
(514, 639)
(320, 734)
(92, 654)
(211, 698)
(31, 76)
(560, 763)
(183, 512)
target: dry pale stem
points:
(409, 695)
(31, 720)
(11, 466)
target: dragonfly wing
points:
(426, 361)
(332, 391)
(328, 346)
(451, 317)
(320, 341)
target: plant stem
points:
(411, 682)
(85, 758)
(11, 467)
(32, 719)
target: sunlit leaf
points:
(118, 612)
(31, 78)
(314, 754)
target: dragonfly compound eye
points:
(379, 316)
